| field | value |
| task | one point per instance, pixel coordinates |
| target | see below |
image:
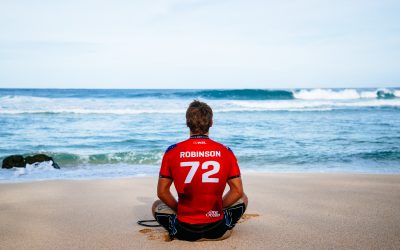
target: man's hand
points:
(235, 192)
(165, 194)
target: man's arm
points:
(235, 192)
(165, 194)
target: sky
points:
(199, 44)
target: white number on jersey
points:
(206, 176)
(194, 165)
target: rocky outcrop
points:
(40, 158)
(11, 161)
(19, 161)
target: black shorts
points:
(193, 232)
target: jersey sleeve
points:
(165, 170)
(234, 171)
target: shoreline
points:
(244, 173)
(286, 211)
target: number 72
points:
(194, 165)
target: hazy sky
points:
(199, 43)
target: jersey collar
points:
(199, 137)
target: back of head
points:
(199, 117)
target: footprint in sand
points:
(247, 217)
(155, 234)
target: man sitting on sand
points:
(200, 168)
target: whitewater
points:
(95, 133)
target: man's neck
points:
(192, 134)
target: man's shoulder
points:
(174, 146)
(223, 146)
(170, 147)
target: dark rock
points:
(19, 161)
(37, 158)
(40, 158)
(11, 161)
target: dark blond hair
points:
(199, 117)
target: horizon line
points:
(271, 88)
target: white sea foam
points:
(32, 105)
(46, 172)
(306, 105)
(368, 94)
(345, 94)
(306, 100)
(274, 105)
(39, 167)
(326, 94)
(23, 98)
(92, 111)
(220, 106)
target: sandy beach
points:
(286, 211)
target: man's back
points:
(199, 168)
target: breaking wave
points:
(345, 94)
(247, 94)
(221, 94)
(129, 157)
(152, 157)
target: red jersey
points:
(200, 169)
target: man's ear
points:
(211, 123)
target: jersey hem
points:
(165, 176)
(233, 177)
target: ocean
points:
(106, 133)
